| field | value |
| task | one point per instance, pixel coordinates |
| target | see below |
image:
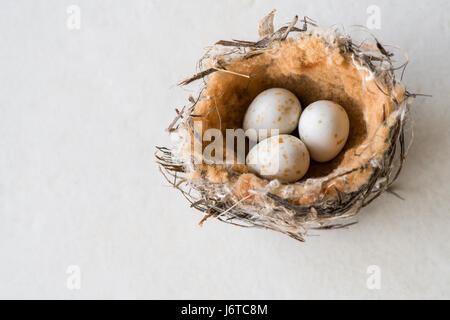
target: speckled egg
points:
(283, 157)
(324, 128)
(275, 108)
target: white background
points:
(80, 114)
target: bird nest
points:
(315, 64)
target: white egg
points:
(275, 108)
(324, 128)
(282, 157)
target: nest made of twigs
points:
(317, 64)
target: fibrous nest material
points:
(315, 64)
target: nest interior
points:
(313, 70)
